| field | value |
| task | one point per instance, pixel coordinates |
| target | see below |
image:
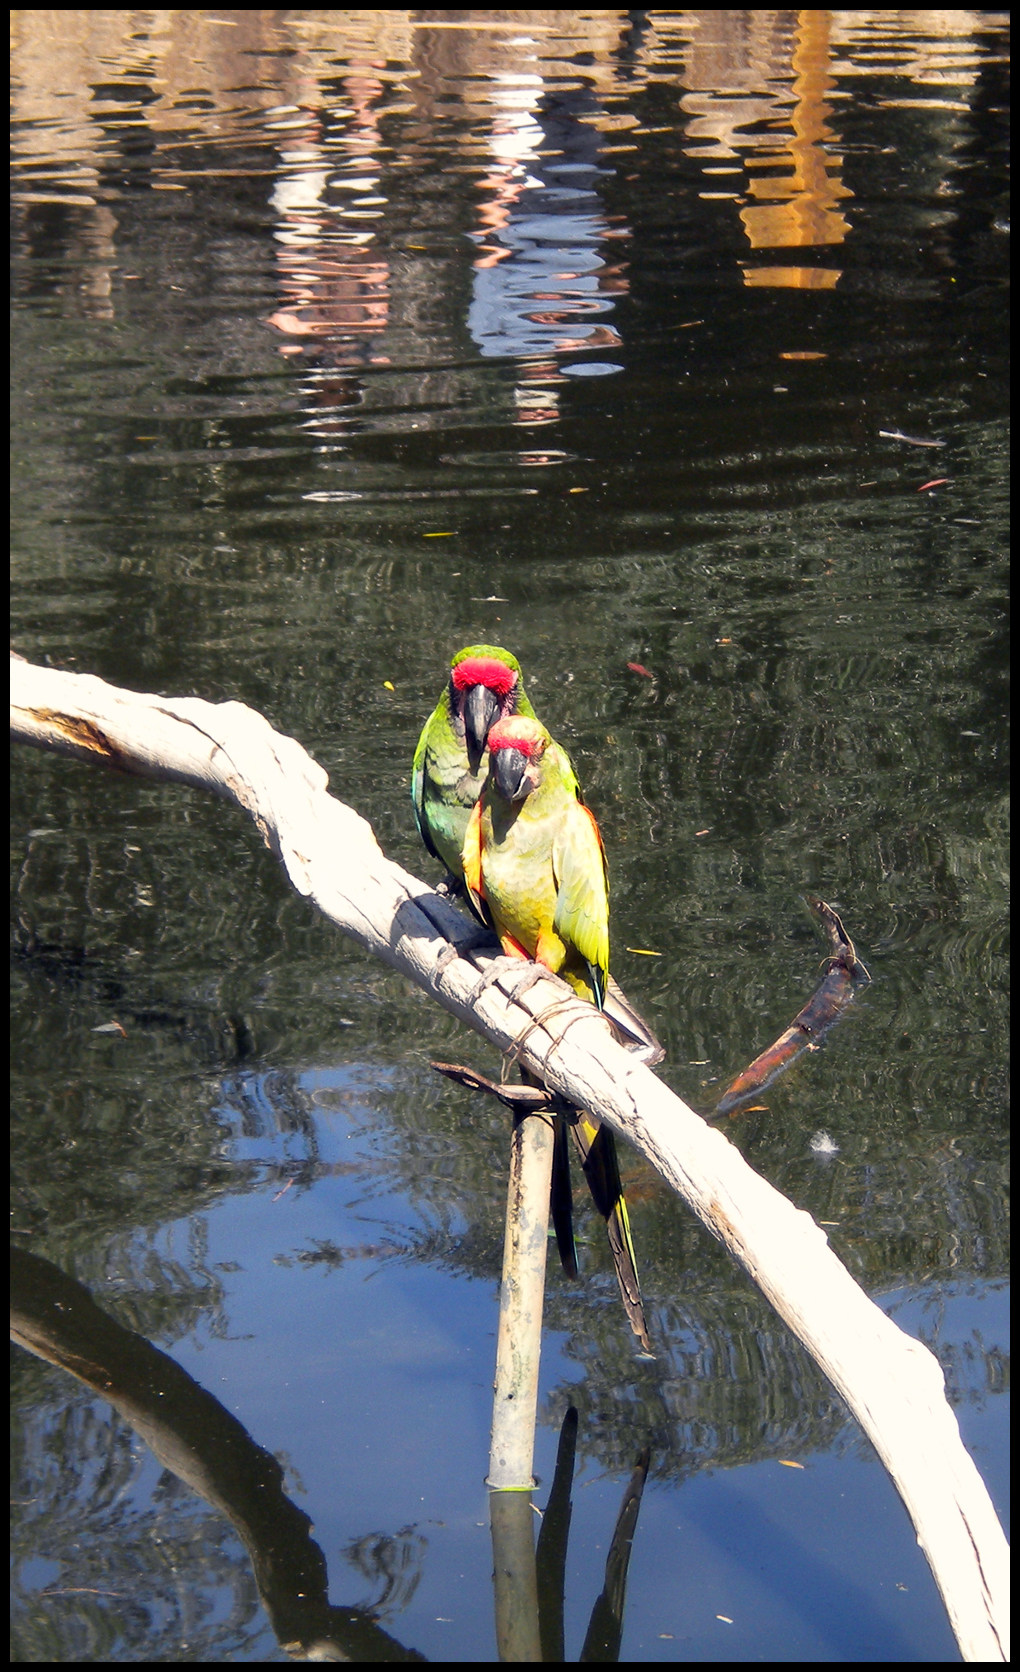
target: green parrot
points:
(451, 759)
(534, 861)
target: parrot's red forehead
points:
(516, 733)
(484, 670)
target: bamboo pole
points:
(521, 1299)
(893, 1385)
(514, 1576)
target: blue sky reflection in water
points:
(342, 340)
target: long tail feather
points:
(630, 1027)
(561, 1202)
(597, 1149)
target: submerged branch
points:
(893, 1385)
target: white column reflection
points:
(540, 275)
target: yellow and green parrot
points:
(534, 862)
(451, 760)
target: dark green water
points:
(342, 340)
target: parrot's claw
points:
(476, 939)
(528, 977)
(523, 973)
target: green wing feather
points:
(442, 788)
(418, 786)
(582, 892)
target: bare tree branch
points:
(893, 1385)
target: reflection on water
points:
(538, 269)
(332, 123)
(758, 82)
(535, 110)
(335, 289)
(343, 339)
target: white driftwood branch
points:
(893, 1385)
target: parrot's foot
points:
(477, 938)
(522, 972)
(449, 888)
(480, 940)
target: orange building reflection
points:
(803, 211)
(749, 71)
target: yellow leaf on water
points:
(388, 685)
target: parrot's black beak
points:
(481, 710)
(509, 771)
